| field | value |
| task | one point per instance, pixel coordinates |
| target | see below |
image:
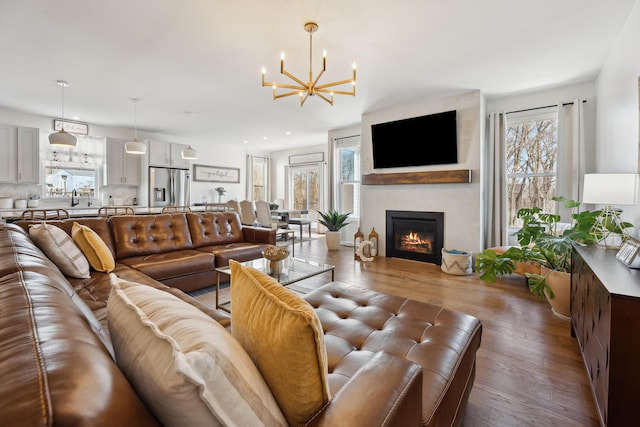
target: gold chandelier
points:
(311, 87)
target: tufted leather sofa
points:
(392, 361)
(180, 250)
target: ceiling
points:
(206, 56)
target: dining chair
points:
(280, 203)
(108, 211)
(233, 205)
(247, 212)
(263, 214)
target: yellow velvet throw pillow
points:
(283, 335)
(93, 247)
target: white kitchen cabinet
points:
(167, 154)
(122, 168)
(20, 158)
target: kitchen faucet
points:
(74, 194)
(88, 199)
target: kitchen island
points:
(10, 215)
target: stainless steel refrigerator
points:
(169, 187)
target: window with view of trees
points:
(531, 159)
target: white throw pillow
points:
(187, 368)
(61, 249)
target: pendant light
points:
(62, 138)
(189, 153)
(135, 146)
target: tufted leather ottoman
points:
(359, 323)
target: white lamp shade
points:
(189, 153)
(62, 139)
(135, 147)
(610, 188)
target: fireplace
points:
(415, 235)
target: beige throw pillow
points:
(283, 335)
(187, 368)
(60, 248)
(93, 247)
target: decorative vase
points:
(274, 268)
(333, 240)
(275, 256)
(560, 284)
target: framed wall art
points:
(216, 174)
(71, 127)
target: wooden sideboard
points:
(605, 318)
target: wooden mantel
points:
(459, 176)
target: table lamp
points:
(609, 189)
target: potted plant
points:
(542, 240)
(334, 221)
(220, 191)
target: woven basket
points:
(459, 264)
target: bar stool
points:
(108, 211)
(174, 209)
(35, 214)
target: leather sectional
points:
(392, 361)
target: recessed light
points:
(265, 138)
(288, 132)
(246, 142)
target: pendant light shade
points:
(189, 153)
(62, 138)
(135, 146)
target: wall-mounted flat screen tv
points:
(417, 141)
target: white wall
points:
(459, 202)
(617, 121)
(617, 92)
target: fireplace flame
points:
(412, 242)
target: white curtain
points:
(571, 153)
(495, 184)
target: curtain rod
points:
(564, 104)
(345, 137)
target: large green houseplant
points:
(542, 240)
(334, 221)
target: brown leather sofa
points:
(180, 250)
(392, 361)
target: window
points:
(258, 177)
(531, 162)
(348, 171)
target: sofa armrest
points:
(259, 234)
(386, 391)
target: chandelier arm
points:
(285, 86)
(317, 78)
(336, 92)
(303, 98)
(338, 83)
(295, 79)
(329, 100)
(282, 95)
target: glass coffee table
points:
(292, 270)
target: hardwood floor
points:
(529, 368)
